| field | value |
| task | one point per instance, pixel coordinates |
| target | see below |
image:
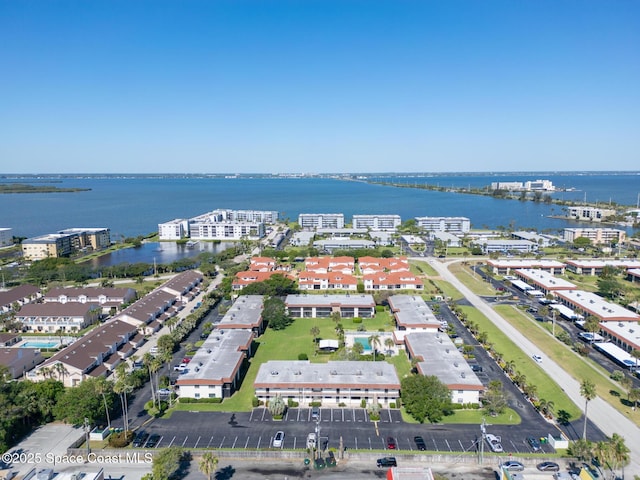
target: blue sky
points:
(319, 86)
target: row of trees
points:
(612, 453)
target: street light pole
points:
(87, 435)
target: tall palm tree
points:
(208, 464)
(619, 452)
(389, 343)
(60, 370)
(102, 387)
(374, 342)
(588, 392)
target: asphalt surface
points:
(603, 415)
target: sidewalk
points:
(607, 418)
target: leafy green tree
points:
(315, 332)
(495, 400)
(167, 463)
(425, 397)
(581, 449)
(277, 406)
(275, 314)
(80, 402)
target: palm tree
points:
(635, 353)
(102, 387)
(619, 452)
(634, 396)
(374, 341)
(547, 407)
(60, 370)
(208, 464)
(510, 367)
(588, 391)
(389, 343)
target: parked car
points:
(420, 443)
(548, 467)
(476, 368)
(153, 441)
(315, 413)
(164, 392)
(391, 443)
(386, 462)
(534, 444)
(311, 441)
(278, 439)
(513, 466)
(140, 439)
(495, 443)
(180, 368)
(186, 360)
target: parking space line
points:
(447, 442)
(196, 445)
(172, 440)
(210, 440)
(354, 414)
(259, 439)
(435, 444)
(185, 440)
(264, 410)
(222, 442)
(342, 410)
(234, 442)
(298, 415)
(159, 440)
(246, 444)
(251, 416)
(461, 446)
(390, 419)
(286, 415)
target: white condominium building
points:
(6, 237)
(596, 235)
(312, 221)
(377, 222)
(454, 225)
(258, 216)
(591, 214)
(174, 230)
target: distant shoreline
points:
(25, 188)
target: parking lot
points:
(351, 428)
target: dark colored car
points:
(548, 467)
(419, 441)
(534, 443)
(139, 439)
(476, 368)
(387, 462)
(513, 466)
(153, 441)
(391, 443)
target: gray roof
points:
(333, 374)
(442, 359)
(330, 300)
(246, 312)
(412, 311)
(218, 359)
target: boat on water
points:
(191, 243)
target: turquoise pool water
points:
(39, 345)
(364, 342)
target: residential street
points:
(608, 419)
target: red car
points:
(186, 360)
(391, 443)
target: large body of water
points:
(131, 206)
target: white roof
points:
(545, 279)
(595, 305)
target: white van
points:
(311, 441)
(153, 350)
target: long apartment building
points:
(454, 225)
(65, 243)
(590, 214)
(598, 236)
(332, 383)
(219, 224)
(313, 221)
(377, 222)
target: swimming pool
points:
(39, 344)
(364, 342)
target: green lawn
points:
(577, 366)
(471, 281)
(287, 344)
(547, 388)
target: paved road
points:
(607, 418)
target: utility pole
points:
(553, 320)
(87, 432)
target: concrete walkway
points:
(607, 418)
